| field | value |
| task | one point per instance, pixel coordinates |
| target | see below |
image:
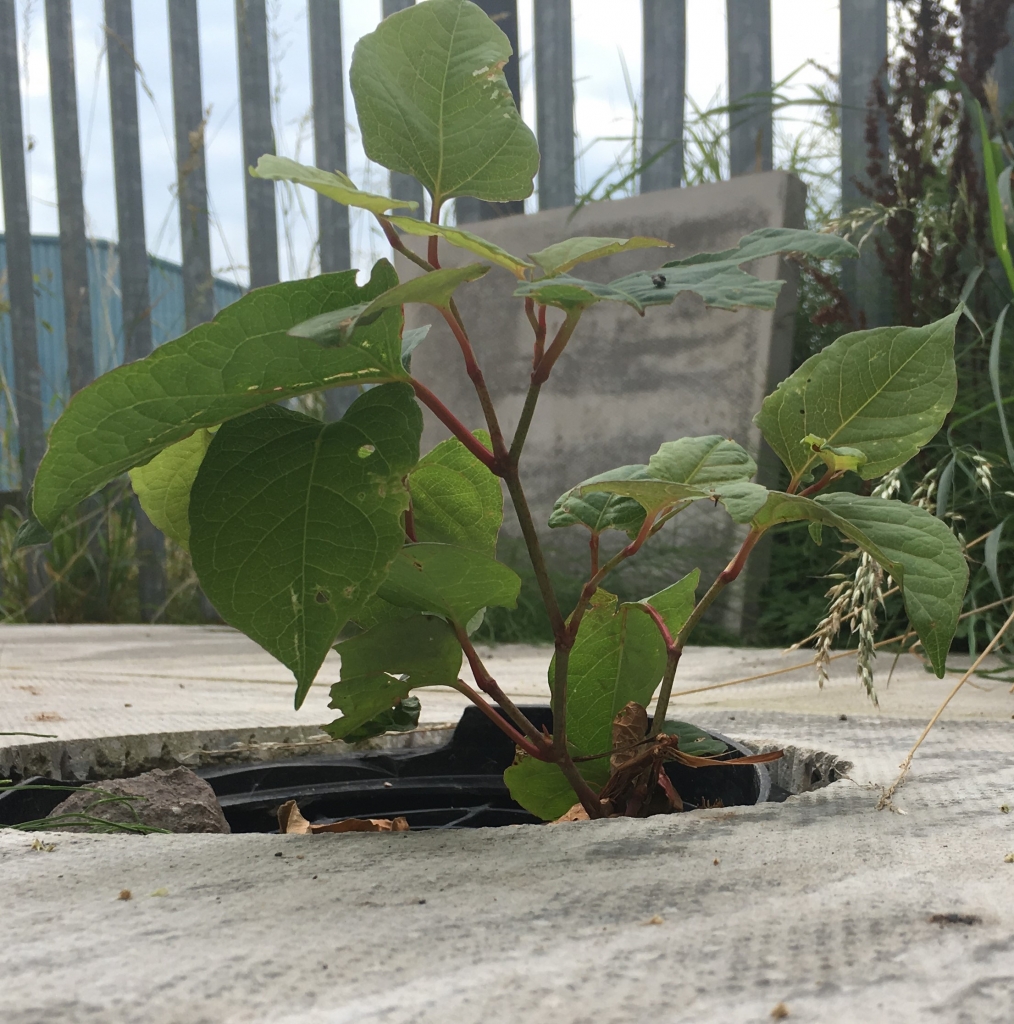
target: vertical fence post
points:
(325, 23)
(404, 186)
(192, 186)
(20, 286)
(554, 102)
(863, 57)
(133, 261)
(750, 129)
(258, 138)
(20, 293)
(69, 195)
(665, 76)
(504, 14)
(329, 128)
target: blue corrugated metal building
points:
(167, 322)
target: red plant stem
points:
(398, 245)
(593, 548)
(538, 328)
(588, 590)
(454, 425)
(499, 721)
(491, 688)
(434, 239)
(479, 383)
(724, 578)
(545, 365)
(827, 478)
(667, 636)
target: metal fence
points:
(75, 310)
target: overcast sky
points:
(607, 33)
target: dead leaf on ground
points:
(125, 894)
(1009, 859)
(657, 919)
(291, 822)
(41, 847)
(160, 892)
(780, 1012)
(576, 813)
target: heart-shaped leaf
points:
(242, 360)
(465, 240)
(381, 666)
(883, 392)
(163, 485)
(294, 522)
(449, 580)
(433, 102)
(916, 548)
(333, 184)
(456, 499)
(564, 256)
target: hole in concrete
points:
(454, 785)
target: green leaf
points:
(563, 256)
(456, 499)
(994, 381)
(30, 533)
(243, 360)
(836, 457)
(163, 485)
(403, 717)
(916, 548)
(540, 786)
(294, 522)
(715, 277)
(997, 223)
(772, 242)
(619, 656)
(381, 666)
(884, 392)
(687, 470)
(433, 102)
(341, 327)
(693, 739)
(332, 184)
(410, 341)
(465, 240)
(598, 511)
(449, 580)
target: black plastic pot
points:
(458, 785)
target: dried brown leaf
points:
(291, 821)
(576, 813)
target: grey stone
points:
(176, 800)
(624, 384)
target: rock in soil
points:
(177, 800)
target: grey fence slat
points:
(191, 178)
(505, 14)
(749, 46)
(665, 77)
(20, 293)
(131, 246)
(404, 186)
(258, 138)
(69, 195)
(863, 53)
(554, 102)
(329, 127)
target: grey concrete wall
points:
(624, 385)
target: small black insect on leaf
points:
(658, 280)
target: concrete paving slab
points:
(820, 902)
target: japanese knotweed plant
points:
(299, 529)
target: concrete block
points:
(624, 385)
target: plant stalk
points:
(545, 366)
(434, 239)
(524, 423)
(724, 578)
(394, 240)
(454, 425)
(499, 721)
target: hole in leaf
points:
(365, 451)
(323, 597)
